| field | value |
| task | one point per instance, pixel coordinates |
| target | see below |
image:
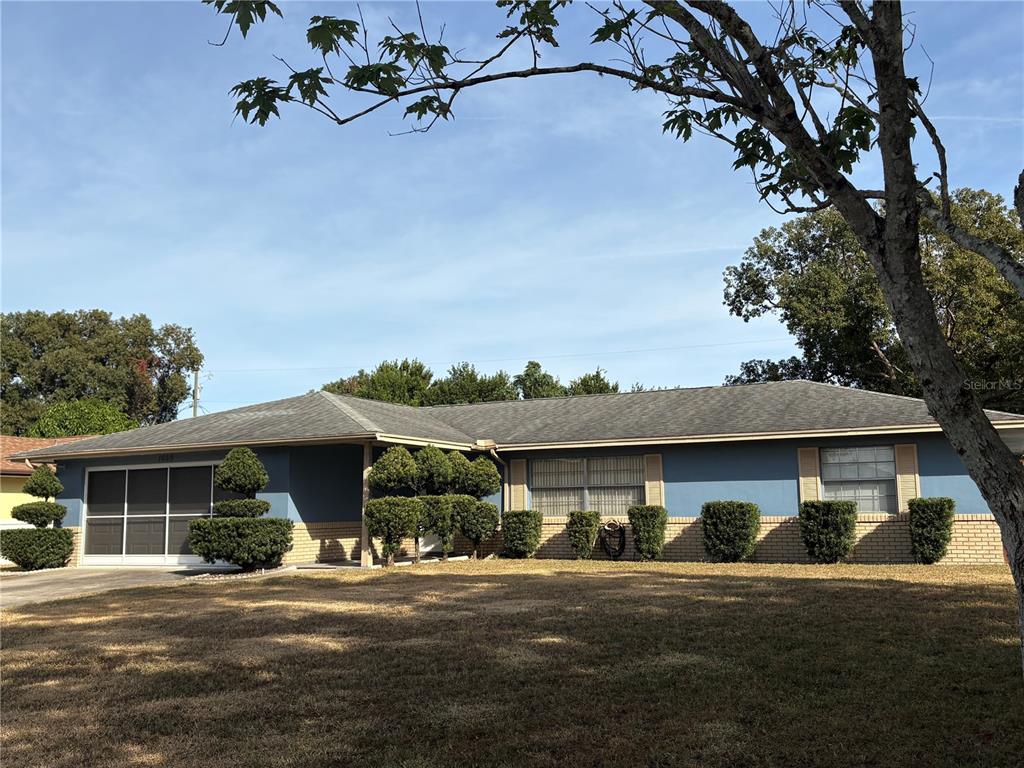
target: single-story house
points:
(131, 495)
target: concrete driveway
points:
(20, 588)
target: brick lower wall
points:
(880, 539)
(323, 542)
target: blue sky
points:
(552, 220)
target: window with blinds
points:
(866, 476)
(607, 484)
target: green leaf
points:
(245, 12)
(327, 33)
(258, 97)
(309, 84)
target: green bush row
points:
(395, 518)
(432, 472)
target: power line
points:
(513, 359)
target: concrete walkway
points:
(20, 588)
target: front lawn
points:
(540, 663)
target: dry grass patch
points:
(540, 663)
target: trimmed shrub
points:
(395, 473)
(241, 508)
(730, 529)
(521, 531)
(484, 479)
(43, 484)
(39, 513)
(392, 519)
(648, 522)
(249, 543)
(931, 528)
(241, 472)
(439, 519)
(828, 529)
(582, 529)
(477, 521)
(461, 469)
(37, 548)
(433, 470)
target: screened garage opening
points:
(140, 515)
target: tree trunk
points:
(416, 543)
(897, 261)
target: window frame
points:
(587, 486)
(893, 480)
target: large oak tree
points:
(771, 95)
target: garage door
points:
(140, 515)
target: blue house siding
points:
(766, 471)
(307, 483)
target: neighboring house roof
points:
(10, 445)
(776, 409)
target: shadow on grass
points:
(522, 664)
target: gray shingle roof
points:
(777, 407)
(784, 406)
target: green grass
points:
(538, 663)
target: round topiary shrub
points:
(439, 519)
(392, 519)
(477, 521)
(241, 508)
(931, 528)
(520, 530)
(828, 529)
(35, 548)
(730, 529)
(395, 473)
(433, 470)
(484, 479)
(249, 543)
(39, 513)
(582, 529)
(241, 472)
(648, 522)
(42, 483)
(237, 533)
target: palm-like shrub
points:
(730, 529)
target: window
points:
(146, 511)
(607, 484)
(864, 475)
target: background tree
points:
(80, 417)
(813, 274)
(88, 354)
(771, 96)
(404, 382)
(535, 382)
(464, 384)
(595, 383)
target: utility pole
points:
(195, 393)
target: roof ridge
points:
(616, 394)
(348, 410)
